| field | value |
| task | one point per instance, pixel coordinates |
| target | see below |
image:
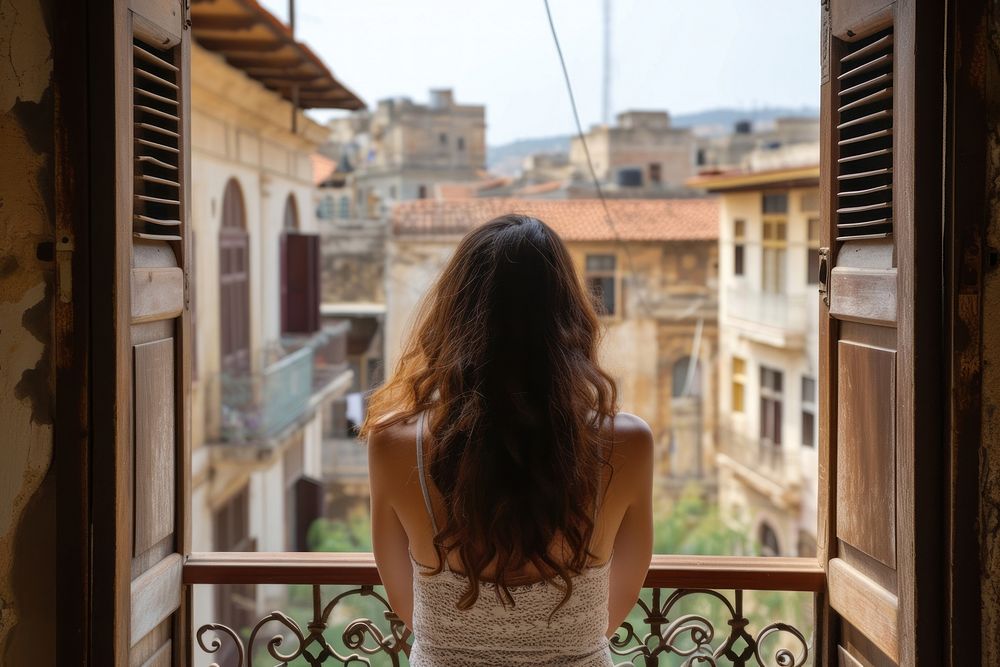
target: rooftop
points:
(572, 219)
(252, 39)
(743, 179)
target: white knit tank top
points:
(489, 633)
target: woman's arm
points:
(634, 541)
(389, 540)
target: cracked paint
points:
(26, 376)
(26, 64)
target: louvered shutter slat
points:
(157, 207)
(865, 139)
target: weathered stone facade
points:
(353, 259)
(403, 149)
(642, 155)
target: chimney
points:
(442, 98)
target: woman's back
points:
(538, 627)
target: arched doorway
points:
(234, 279)
(768, 540)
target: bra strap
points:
(420, 472)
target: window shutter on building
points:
(140, 240)
(300, 283)
(881, 219)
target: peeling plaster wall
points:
(989, 510)
(27, 487)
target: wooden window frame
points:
(772, 405)
(739, 247)
(774, 254)
(604, 274)
(738, 385)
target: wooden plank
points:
(846, 659)
(155, 595)
(719, 572)
(157, 294)
(863, 295)
(866, 605)
(859, 17)
(155, 443)
(158, 22)
(162, 657)
(866, 450)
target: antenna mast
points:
(607, 63)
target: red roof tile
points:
(572, 219)
(322, 168)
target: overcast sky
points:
(680, 55)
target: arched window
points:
(234, 278)
(768, 540)
(685, 378)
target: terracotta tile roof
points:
(540, 188)
(468, 189)
(322, 168)
(573, 219)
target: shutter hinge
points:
(823, 273)
(64, 266)
(187, 14)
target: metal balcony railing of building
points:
(295, 374)
(778, 464)
(784, 312)
(693, 610)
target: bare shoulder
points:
(632, 452)
(393, 446)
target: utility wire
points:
(593, 172)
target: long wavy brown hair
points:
(504, 362)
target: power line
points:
(593, 172)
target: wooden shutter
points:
(139, 146)
(234, 280)
(879, 328)
(300, 283)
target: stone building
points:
(768, 353)
(265, 368)
(642, 155)
(746, 141)
(657, 293)
(402, 149)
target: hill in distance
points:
(507, 158)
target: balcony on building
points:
(771, 318)
(263, 401)
(771, 469)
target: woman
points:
(511, 502)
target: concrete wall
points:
(27, 484)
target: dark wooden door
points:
(879, 330)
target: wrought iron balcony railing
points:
(694, 611)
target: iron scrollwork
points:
(690, 636)
(362, 637)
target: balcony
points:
(711, 610)
(779, 320)
(260, 408)
(772, 470)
